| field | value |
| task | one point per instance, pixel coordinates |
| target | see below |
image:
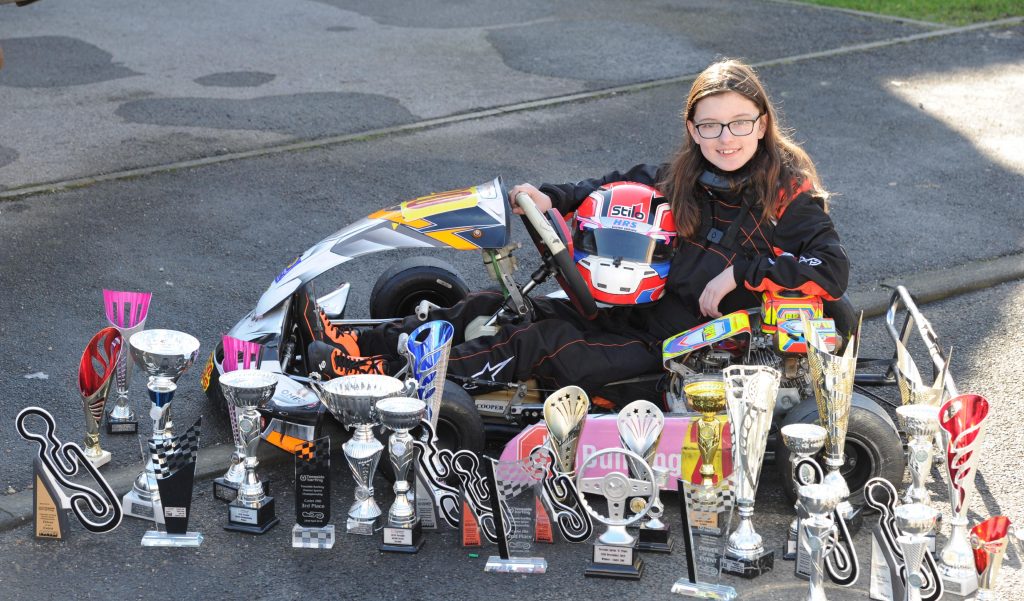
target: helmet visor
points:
(628, 246)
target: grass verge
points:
(949, 12)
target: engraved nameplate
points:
(142, 510)
(707, 520)
(398, 536)
(119, 428)
(175, 512)
(241, 515)
(615, 555)
(731, 565)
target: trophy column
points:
(803, 441)
(915, 521)
(640, 425)
(403, 533)
(238, 354)
(816, 502)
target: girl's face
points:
(728, 151)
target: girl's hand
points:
(715, 291)
(542, 200)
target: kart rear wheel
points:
(405, 284)
(873, 447)
(459, 426)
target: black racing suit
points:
(801, 250)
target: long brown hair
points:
(778, 159)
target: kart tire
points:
(400, 289)
(873, 447)
(459, 426)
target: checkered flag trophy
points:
(514, 488)
(174, 467)
(313, 529)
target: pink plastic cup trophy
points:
(127, 312)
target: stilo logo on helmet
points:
(623, 238)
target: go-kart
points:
(478, 218)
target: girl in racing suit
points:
(750, 214)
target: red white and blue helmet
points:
(624, 235)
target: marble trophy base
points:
(252, 520)
(615, 561)
(402, 540)
(362, 526)
(227, 491)
(313, 538)
(704, 590)
(137, 506)
(962, 583)
(751, 567)
(655, 540)
(159, 538)
(101, 460)
(516, 565)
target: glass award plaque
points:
(312, 529)
(513, 495)
(706, 513)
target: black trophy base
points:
(655, 540)
(749, 568)
(227, 491)
(119, 426)
(252, 520)
(402, 540)
(612, 561)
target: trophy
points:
(615, 550)
(816, 504)
(313, 528)
(704, 539)
(402, 533)
(803, 441)
(962, 420)
(921, 423)
(750, 401)
(174, 461)
(832, 377)
(164, 355)
(513, 493)
(249, 390)
(915, 521)
(53, 467)
(565, 414)
(640, 424)
(125, 311)
(238, 354)
(353, 400)
(94, 385)
(989, 540)
(706, 395)
(913, 391)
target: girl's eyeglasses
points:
(739, 127)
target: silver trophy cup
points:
(921, 423)
(804, 441)
(640, 425)
(164, 355)
(915, 521)
(402, 532)
(816, 503)
(249, 390)
(353, 400)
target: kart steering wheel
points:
(556, 256)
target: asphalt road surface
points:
(193, 149)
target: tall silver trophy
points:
(402, 532)
(915, 521)
(750, 401)
(125, 311)
(816, 503)
(962, 419)
(238, 354)
(640, 424)
(804, 441)
(252, 510)
(832, 377)
(353, 401)
(95, 374)
(921, 423)
(164, 355)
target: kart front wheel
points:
(405, 284)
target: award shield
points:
(249, 390)
(514, 487)
(353, 400)
(962, 420)
(125, 311)
(803, 441)
(174, 462)
(750, 401)
(640, 424)
(832, 377)
(313, 528)
(95, 374)
(615, 551)
(238, 354)
(989, 540)
(402, 532)
(164, 355)
(53, 491)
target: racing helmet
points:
(624, 235)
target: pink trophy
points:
(238, 354)
(962, 419)
(126, 311)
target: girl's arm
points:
(566, 197)
(808, 255)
